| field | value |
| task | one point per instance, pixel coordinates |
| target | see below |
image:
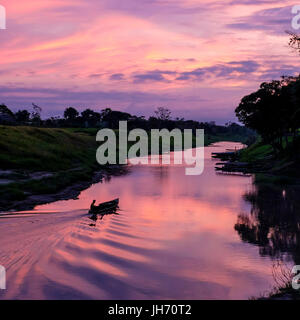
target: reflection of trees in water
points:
(115, 171)
(274, 221)
(162, 173)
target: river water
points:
(175, 237)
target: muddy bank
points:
(70, 192)
(242, 167)
(268, 167)
(230, 162)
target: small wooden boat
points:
(104, 207)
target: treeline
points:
(273, 112)
(108, 118)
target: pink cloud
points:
(175, 53)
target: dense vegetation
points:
(44, 149)
(274, 112)
(62, 155)
(108, 118)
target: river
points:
(175, 237)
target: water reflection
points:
(273, 223)
(95, 217)
(173, 238)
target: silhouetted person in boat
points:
(93, 207)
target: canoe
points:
(114, 202)
(105, 206)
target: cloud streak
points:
(139, 54)
(273, 20)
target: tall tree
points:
(22, 116)
(71, 113)
(5, 110)
(112, 117)
(294, 41)
(36, 113)
(263, 112)
(273, 110)
(6, 115)
(90, 117)
(163, 113)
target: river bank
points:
(259, 159)
(41, 165)
(279, 176)
(67, 193)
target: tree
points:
(71, 113)
(4, 110)
(90, 117)
(105, 113)
(36, 114)
(22, 116)
(112, 117)
(273, 110)
(89, 114)
(163, 113)
(262, 111)
(294, 42)
(6, 115)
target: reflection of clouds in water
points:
(173, 238)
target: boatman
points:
(92, 208)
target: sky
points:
(196, 57)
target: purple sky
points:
(198, 58)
